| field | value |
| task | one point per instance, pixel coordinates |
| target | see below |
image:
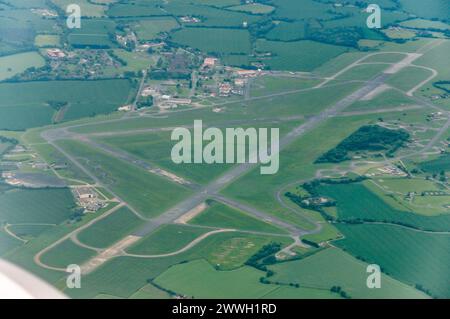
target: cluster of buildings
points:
(189, 19)
(87, 198)
(10, 179)
(391, 170)
(233, 81)
(45, 13)
(55, 53)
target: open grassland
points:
(167, 239)
(333, 267)
(29, 231)
(65, 254)
(23, 256)
(149, 29)
(273, 84)
(156, 148)
(144, 191)
(123, 276)
(231, 250)
(425, 24)
(433, 59)
(135, 62)
(7, 242)
(297, 56)
(67, 169)
(214, 40)
(287, 31)
(210, 16)
(294, 9)
(363, 72)
(286, 292)
(254, 8)
(150, 292)
(28, 104)
(431, 9)
(51, 206)
(356, 202)
(112, 228)
(94, 33)
(199, 279)
(429, 198)
(220, 215)
(269, 108)
(47, 40)
(387, 99)
(14, 64)
(408, 78)
(328, 232)
(296, 163)
(414, 257)
(88, 9)
(385, 58)
(132, 10)
(442, 163)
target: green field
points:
(333, 267)
(411, 256)
(199, 279)
(27, 104)
(442, 163)
(88, 9)
(296, 163)
(210, 16)
(110, 229)
(47, 40)
(65, 254)
(272, 84)
(29, 231)
(304, 103)
(254, 8)
(167, 239)
(51, 206)
(146, 192)
(124, 276)
(7, 242)
(156, 148)
(387, 99)
(425, 24)
(150, 292)
(149, 29)
(132, 10)
(220, 215)
(431, 9)
(285, 292)
(297, 56)
(287, 31)
(408, 78)
(357, 202)
(14, 64)
(214, 40)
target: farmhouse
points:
(55, 53)
(247, 73)
(209, 62)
